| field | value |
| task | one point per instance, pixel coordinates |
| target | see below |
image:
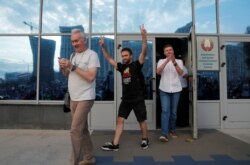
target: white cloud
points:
(158, 16)
(204, 3)
(206, 26)
(15, 49)
(57, 14)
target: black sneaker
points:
(108, 146)
(144, 143)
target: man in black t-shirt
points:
(132, 91)
(133, 85)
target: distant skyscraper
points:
(109, 44)
(248, 30)
(47, 53)
(184, 29)
(66, 46)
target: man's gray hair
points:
(74, 31)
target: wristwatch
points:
(175, 64)
(73, 68)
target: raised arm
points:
(106, 53)
(144, 44)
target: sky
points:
(161, 16)
(158, 16)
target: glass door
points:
(134, 43)
(235, 75)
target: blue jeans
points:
(169, 104)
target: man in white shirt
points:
(170, 88)
(81, 71)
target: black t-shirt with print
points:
(133, 85)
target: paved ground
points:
(241, 134)
(52, 147)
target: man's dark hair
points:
(168, 45)
(127, 49)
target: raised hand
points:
(101, 41)
(64, 63)
(144, 44)
(143, 30)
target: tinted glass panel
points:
(61, 13)
(234, 16)
(208, 85)
(238, 70)
(52, 82)
(105, 77)
(159, 16)
(103, 16)
(19, 16)
(205, 16)
(17, 69)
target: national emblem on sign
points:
(207, 44)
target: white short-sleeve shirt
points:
(170, 81)
(79, 88)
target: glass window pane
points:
(53, 84)
(19, 16)
(238, 70)
(17, 69)
(103, 16)
(64, 13)
(234, 16)
(105, 76)
(205, 16)
(208, 85)
(159, 16)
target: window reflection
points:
(64, 13)
(157, 16)
(52, 84)
(205, 16)
(208, 85)
(238, 70)
(240, 16)
(19, 16)
(105, 76)
(103, 16)
(17, 69)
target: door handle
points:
(119, 46)
(153, 82)
(222, 47)
(223, 64)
